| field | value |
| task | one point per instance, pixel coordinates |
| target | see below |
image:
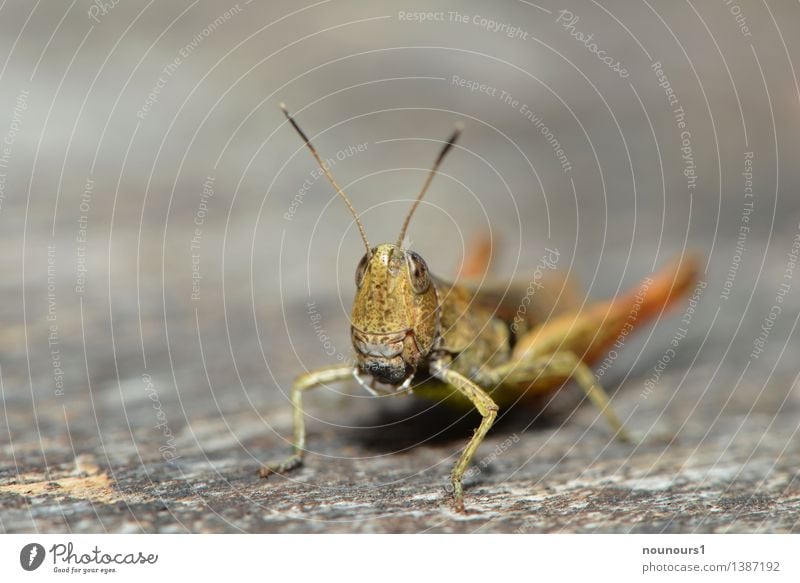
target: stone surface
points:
(385, 470)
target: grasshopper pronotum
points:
(414, 332)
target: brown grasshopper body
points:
(412, 332)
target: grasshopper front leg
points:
(560, 365)
(302, 383)
(485, 406)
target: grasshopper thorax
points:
(395, 315)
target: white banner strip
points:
(389, 558)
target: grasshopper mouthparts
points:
(373, 390)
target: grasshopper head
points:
(394, 318)
(395, 314)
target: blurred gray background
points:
(158, 261)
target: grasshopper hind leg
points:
(301, 384)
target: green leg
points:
(564, 365)
(305, 381)
(486, 407)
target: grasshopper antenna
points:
(429, 179)
(328, 174)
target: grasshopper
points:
(412, 331)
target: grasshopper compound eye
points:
(418, 272)
(361, 270)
